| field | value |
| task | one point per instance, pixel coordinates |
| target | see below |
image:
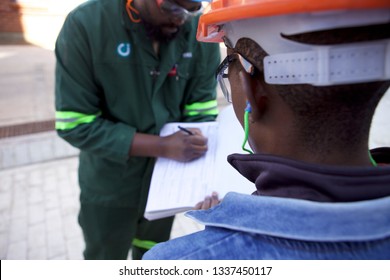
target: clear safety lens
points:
(178, 11)
(223, 72)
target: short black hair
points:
(328, 116)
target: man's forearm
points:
(147, 145)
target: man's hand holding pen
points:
(185, 145)
(186, 130)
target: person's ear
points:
(256, 96)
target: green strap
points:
(246, 129)
(69, 120)
(201, 108)
(143, 244)
(373, 162)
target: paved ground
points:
(38, 187)
(38, 184)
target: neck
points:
(156, 47)
(279, 133)
(286, 144)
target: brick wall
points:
(33, 21)
(10, 17)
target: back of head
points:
(328, 60)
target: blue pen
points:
(185, 130)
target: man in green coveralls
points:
(124, 69)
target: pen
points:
(185, 130)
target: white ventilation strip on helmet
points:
(331, 65)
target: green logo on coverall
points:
(124, 49)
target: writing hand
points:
(182, 146)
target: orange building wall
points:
(10, 17)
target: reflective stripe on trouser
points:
(143, 244)
(69, 120)
(201, 108)
(109, 231)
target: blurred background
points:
(38, 170)
(35, 22)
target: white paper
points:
(178, 186)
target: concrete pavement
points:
(38, 171)
(38, 184)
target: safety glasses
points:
(222, 72)
(177, 11)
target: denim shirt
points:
(299, 211)
(284, 228)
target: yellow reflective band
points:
(69, 120)
(202, 108)
(144, 244)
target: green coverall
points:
(111, 84)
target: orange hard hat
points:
(270, 22)
(222, 11)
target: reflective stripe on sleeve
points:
(201, 108)
(69, 120)
(143, 244)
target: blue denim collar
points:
(300, 219)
